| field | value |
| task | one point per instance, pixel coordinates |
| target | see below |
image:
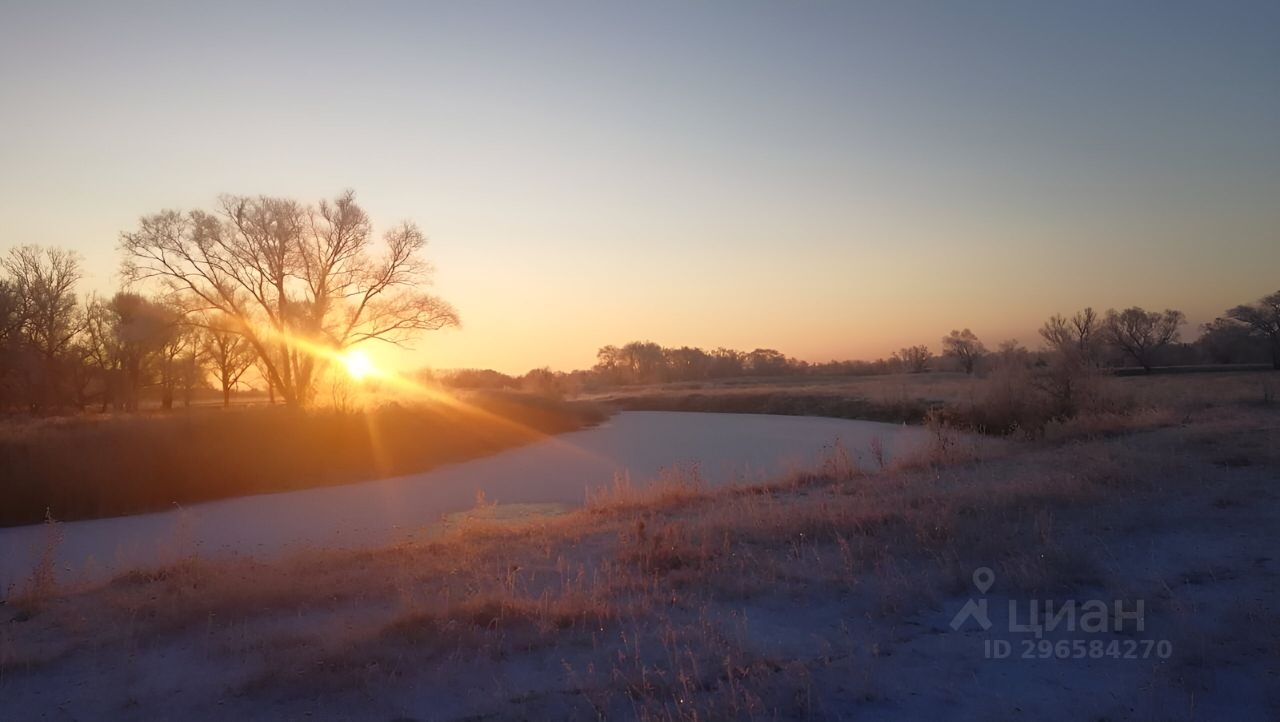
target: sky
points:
(833, 180)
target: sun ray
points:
(347, 359)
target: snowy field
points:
(727, 448)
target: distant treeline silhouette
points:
(273, 289)
(1133, 337)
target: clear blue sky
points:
(830, 179)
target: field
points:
(828, 594)
(908, 398)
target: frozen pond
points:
(728, 448)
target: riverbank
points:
(826, 593)
(92, 466)
(561, 470)
(1005, 402)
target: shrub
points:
(1017, 399)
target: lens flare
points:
(359, 367)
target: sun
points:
(358, 365)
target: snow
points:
(728, 448)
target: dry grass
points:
(897, 398)
(42, 584)
(84, 467)
(640, 600)
(1005, 402)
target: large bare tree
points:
(303, 283)
(1139, 333)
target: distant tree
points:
(726, 363)
(965, 347)
(230, 354)
(1226, 341)
(304, 281)
(766, 362)
(191, 368)
(126, 339)
(11, 312)
(261, 368)
(11, 322)
(179, 346)
(642, 362)
(687, 363)
(479, 379)
(1139, 334)
(544, 382)
(1010, 354)
(1262, 318)
(43, 280)
(101, 349)
(1078, 335)
(609, 364)
(915, 359)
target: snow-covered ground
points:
(818, 598)
(558, 470)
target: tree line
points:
(58, 351)
(276, 289)
(1136, 337)
(261, 285)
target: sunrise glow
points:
(358, 365)
(501, 360)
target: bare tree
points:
(965, 347)
(126, 339)
(191, 367)
(11, 313)
(304, 282)
(766, 362)
(544, 382)
(1139, 333)
(44, 281)
(1262, 318)
(102, 348)
(177, 357)
(1225, 341)
(726, 362)
(11, 322)
(1012, 354)
(687, 363)
(642, 362)
(915, 358)
(1078, 335)
(609, 364)
(230, 355)
(266, 378)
